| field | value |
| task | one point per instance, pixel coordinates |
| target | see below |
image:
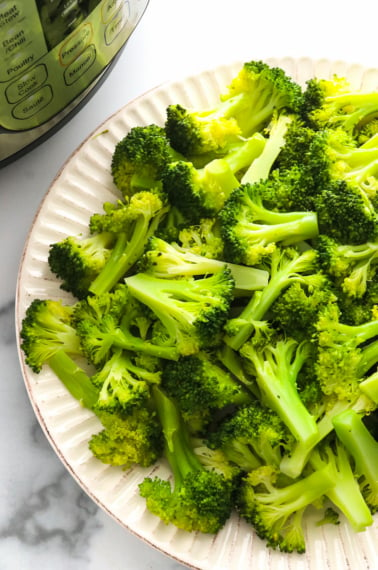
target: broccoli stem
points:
(179, 454)
(76, 381)
(346, 493)
(360, 443)
(124, 254)
(276, 370)
(369, 387)
(261, 167)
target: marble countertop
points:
(46, 520)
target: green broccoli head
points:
(276, 509)
(139, 159)
(77, 261)
(251, 231)
(46, 329)
(127, 439)
(200, 498)
(191, 312)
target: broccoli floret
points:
(139, 159)
(191, 312)
(133, 222)
(202, 387)
(352, 267)
(297, 309)
(286, 266)
(253, 435)
(343, 214)
(345, 353)
(363, 447)
(201, 499)
(123, 383)
(248, 104)
(346, 493)
(276, 511)
(276, 367)
(112, 320)
(77, 261)
(203, 238)
(201, 192)
(49, 337)
(169, 260)
(251, 231)
(133, 438)
(335, 103)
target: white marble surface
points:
(46, 520)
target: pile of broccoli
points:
(226, 305)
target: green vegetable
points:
(224, 310)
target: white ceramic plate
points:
(79, 189)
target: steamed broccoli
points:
(77, 261)
(202, 387)
(122, 383)
(169, 260)
(345, 494)
(201, 192)
(251, 231)
(275, 368)
(127, 439)
(352, 267)
(190, 312)
(248, 104)
(335, 103)
(49, 337)
(201, 498)
(276, 510)
(286, 266)
(139, 159)
(111, 321)
(133, 222)
(345, 353)
(251, 436)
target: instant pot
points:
(53, 54)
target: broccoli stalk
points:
(276, 512)
(362, 446)
(369, 386)
(132, 223)
(200, 499)
(345, 494)
(201, 192)
(251, 231)
(276, 367)
(261, 167)
(169, 260)
(192, 312)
